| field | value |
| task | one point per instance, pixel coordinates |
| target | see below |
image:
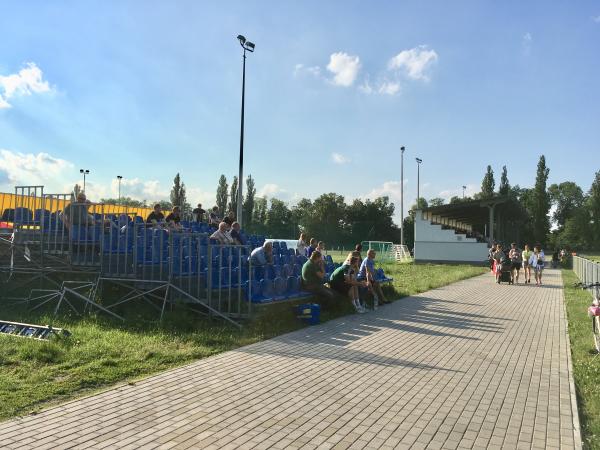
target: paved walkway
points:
(471, 365)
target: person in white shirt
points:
(536, 260)
(301, 246)
(222, 235)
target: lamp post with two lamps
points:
(247, 46)
(84, 172)
(419, 161)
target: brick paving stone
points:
(469, 365)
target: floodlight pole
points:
(419, 161)
(246, 45)
(402, 195)
(119, 177)
(84, 172)
(464, 187)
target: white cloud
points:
(414, 63)
(27, 81)
(366, 87)
(137, 189)
(269, 190)
(389, 88)
(344, 68)
(470, 191)
(389, 188)
(526, 43)
(30, 169)
(338, 158)
(301, 69)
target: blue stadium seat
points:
(23, 216)
(266, 289)
(279, 288)
(283, 247)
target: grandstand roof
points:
(476, 211)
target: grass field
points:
(592, 256)
(101, 352)
(586, 365)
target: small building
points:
(463, 231)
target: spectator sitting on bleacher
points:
(199, 213)
(174, 219)
(222, 235)
(261, 256)
(213, 217)
(156, 216)
(343, 280)
(237, 235)
(311, 248)
(301, 246)
(230, 218)
(367, 273)
(76, 213)
(356, 252)
(313, 272)
(321, 248)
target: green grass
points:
(101, 352)
(586, 365)
(592, 256)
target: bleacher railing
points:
(587, 271)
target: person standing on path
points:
(516, 261)
(537, 262)
(526, 267)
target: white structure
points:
(442, 243)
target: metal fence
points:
(587, 271)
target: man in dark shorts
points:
(516, 262)
(343, 281)
(199, 213)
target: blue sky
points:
(146, 89)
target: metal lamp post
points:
(84, 172)
(402, 195)
(249, 46)
(419, 161)
(119, 177)
(464, 187)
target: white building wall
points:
(434, 244)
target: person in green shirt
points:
(343, 280)
(313, 272)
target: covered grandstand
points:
(463, 231)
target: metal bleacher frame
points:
(61, 265)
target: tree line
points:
(574, 222)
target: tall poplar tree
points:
(504, 188)
(488, 184)
(178, 192)
(233, 196)
(222, 195)
(540, 204)
(248, 206)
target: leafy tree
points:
(437, 201)
(302, 216)
(504, 188)
(222, 195)
(259, 215)
(233, 196)
(165, 205)
(593, 206)
(248, 206)
(409, 231)
(125, 201)
(370, 220)
(567, 197)
(422, 204)
(178, 192)
(455, 199)
(278, 219)
(328, 211)
(487, 184)
(540, 202)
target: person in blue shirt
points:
(311, 248)
(367, 273)
(262, 256)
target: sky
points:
(146, 89)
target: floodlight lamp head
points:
(242, 39)
(119, 177)
(402, 149)
(249, 46)
(419, 160)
